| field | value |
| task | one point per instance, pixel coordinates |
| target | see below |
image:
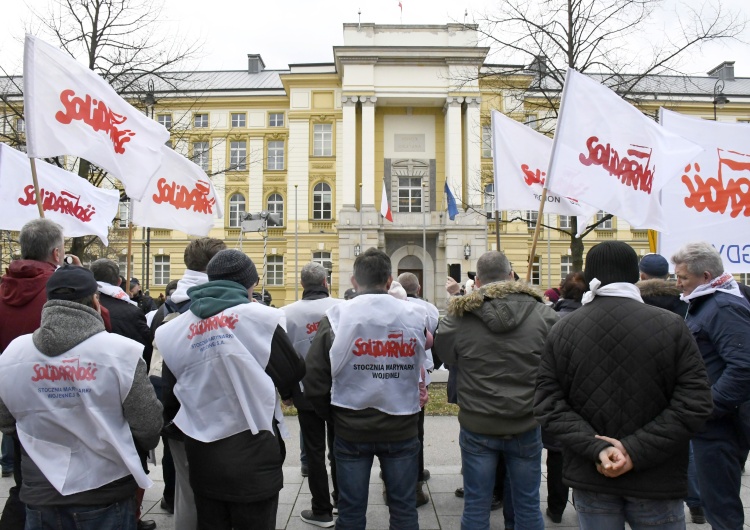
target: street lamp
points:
(467, 251)
(719, 98)
(357, 250)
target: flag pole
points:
(546, 184)
(130, 242)
(296, 247)
(36, 188)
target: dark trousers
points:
(420, 435)
(222, 515)
(719, 452)
(557, 492)
(14, 513)
(313, 429)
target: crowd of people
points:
(638, 387)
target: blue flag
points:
(452, 208)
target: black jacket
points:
(129, 321)
(623, 369)
(664, 294)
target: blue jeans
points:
(117, 516)
(719, 452)
(6, 460)
(523, 460)
(600, 511)
(399, 463)
(693, 499)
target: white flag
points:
(179, 197)
(70, 110)
(710, 201)
(67, 199)
(610, 156)
(520, 160)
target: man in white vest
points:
(363, 370)
(302, 318)
(410, 283)
(229, 356)
(79, 399)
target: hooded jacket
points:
(22, 295)
(664, 294)
(64, 326)
(495, 336)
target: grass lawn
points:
(437, 406)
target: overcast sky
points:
(298, 31)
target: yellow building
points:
(400, 111)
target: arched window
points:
(322, 202)
(236, 210)
(275, 204)
(489, 198)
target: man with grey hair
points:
(302, 318)
(410, 283)
(22, 296)
(496, 336)
(719, 318)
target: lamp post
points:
(296, 247)
(424, 236)
(719, 98)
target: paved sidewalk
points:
(443, 512)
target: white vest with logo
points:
(219, 363)
(433, 317)
(302, 318)
(68, 410)
(377, 353)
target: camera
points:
(68, 260)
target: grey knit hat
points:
(612, 262)
(232, 265)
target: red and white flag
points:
(179, 197)
(520, 160)
(385, 205)
(70, 110)
(79, 207)
(609, 155)
(710, 201)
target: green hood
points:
(214, 297)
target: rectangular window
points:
(532, 121)
(606, 225)
(165, 120)
(161, 270)
(409, 194)
(276, 119)
(238, 119)
(564, 222)
(275, 155)
(566, 266)
(123, 220)
(744, 277)
(200, 154)
(536, 271)
(322, 139)
(486, 141)
(238, 156)
(275, 270)
(122, 264)
(20, 125)
(200, 121)
(531, 218)
(324, 258)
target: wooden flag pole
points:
(36, 188)
(536, 235)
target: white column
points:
(473, 130)
(255, 156)
(453, 148)
(349, 137)
(368, 150)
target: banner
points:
(520, 162)
(70, 110)
(710, 201)
(179, 197)
(609, 155)
(79, 207)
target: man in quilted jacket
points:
(622, 386)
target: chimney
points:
(255, 64)
(539, 65)
(724, 71)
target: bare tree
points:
(612, 40)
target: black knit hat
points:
(612, 262)
(232, 265)
(71, 282)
